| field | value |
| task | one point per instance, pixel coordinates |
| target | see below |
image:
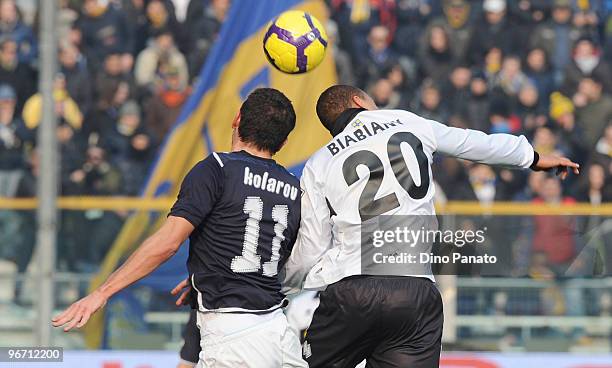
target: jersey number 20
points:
(250, 261)
(369, 206)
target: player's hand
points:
(79, 312)
(562, 165)
(184, 289)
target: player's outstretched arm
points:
(496, 149)
(160, 246)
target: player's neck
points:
(250, 149)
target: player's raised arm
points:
(158, 248)
(496, 149)
(314, 237)
(198, 194)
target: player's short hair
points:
(334, 101)
(266, 119)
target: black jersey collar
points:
(344, 119)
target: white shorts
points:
(232, 340)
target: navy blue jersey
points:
(246, 214)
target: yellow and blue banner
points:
(235, 66)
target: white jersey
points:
(379, 164)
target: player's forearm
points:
(492, 149)
(150, 255)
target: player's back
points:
(380, 164)
(248, 229)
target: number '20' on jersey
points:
(246, 214)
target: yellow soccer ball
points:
(295, 42)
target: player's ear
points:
(236, 121)
(364, 102)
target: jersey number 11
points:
(250, 261)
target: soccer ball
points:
(295, 42)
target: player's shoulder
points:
(206, 170)
(242, 159)
(318, 159)
(404, 115)
(211, 162)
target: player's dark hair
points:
(266, 119)
(334, 101)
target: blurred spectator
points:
(557, 36)
(75, 73)
(587, 62)
(412, 18)
(594, 109)
(535, 180)
(492, 64)
(204, 23)
(570, 133)
(378, 55)
(494, 31)
(162, 110)
(554, 235)
(436, 58)
(12, 27)
(105, 29)
(528, 13)
(135, 11)
(604, 144)
(429, 103)
(545, 141)
(501, 120)
(538, 70)
(66, 109)
(529, 109)
(103, 115)
(457, 88)
(130, 148)
(477, 106)
(455, 182)
(510, 79)
(13, 139)
(18, 75)
(113, 68)
(71, 151)
(384, 96)
(160, 15)
(161, 51)
(456, 23)
(595, 187)
(401, 82)
(482, 181)
(356, 18)
(67, 15)
(586, 17)
(96, 177)
(24, 241)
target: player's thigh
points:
(272, 344)
(339, 335)
(255, 347)
(416, 344)
(291, 349)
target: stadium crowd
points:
(536, 67)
